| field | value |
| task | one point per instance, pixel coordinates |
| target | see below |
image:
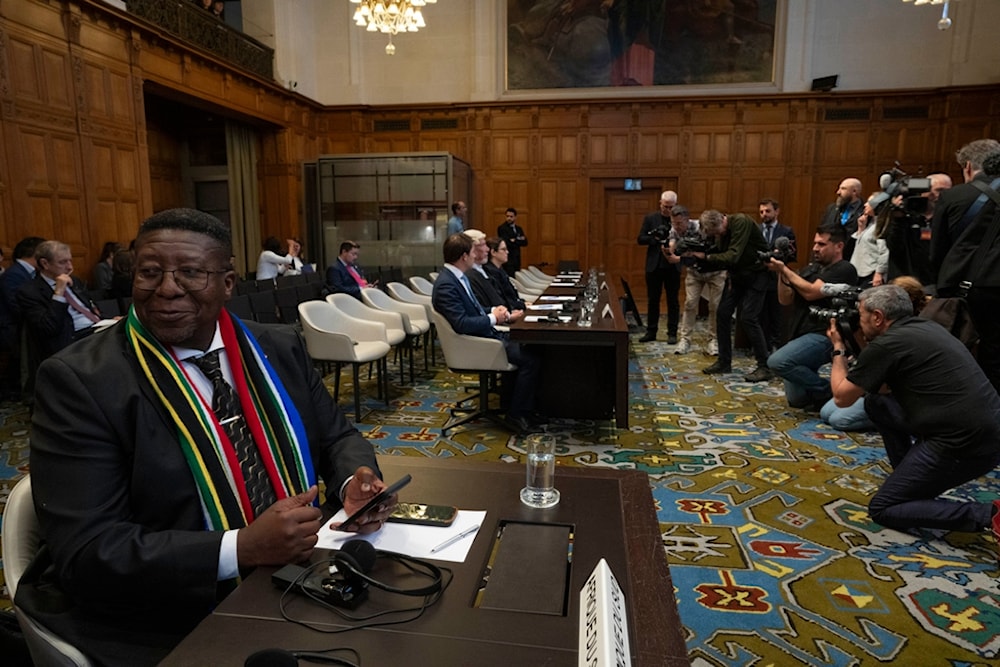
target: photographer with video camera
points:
(941, 423)
(798, 362)
(686, 236)
(739, 242)
(662, 269)
(965, 252)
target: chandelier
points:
(391, 17)
(945, 22)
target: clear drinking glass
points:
(540, 490)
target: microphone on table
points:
(279, 657)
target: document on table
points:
(549, 297)
(562, 284)
(545, 306)
(412, 540)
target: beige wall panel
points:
(752, 190)
(598, 149)
(557, 150)
(389, 145)
(912, 147)
(618, 149)
(510, 119)
(704, 115)
(840, 145)
(765, 114)
(659, 115)
(764, 147)
(34, 162)
(24, 71)
(549, 118)
(107, 227)
(128, 221)
(65, 159)
(58, 85)
(159, 65)
(40, 215)
(69, 226)
(520, 153)
(97, 93)
(440, 144)
(127, 168)
(122, 100)
(101, 171)
(711, 148)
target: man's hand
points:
(501, 314)
(515, 315)
(776, 265)
(697, 254)
(669, 255)
(834, 335)
(364, 486)
(284, 533)
(62, 280)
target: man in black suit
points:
(344, 275)
(663, 272)
(773, 230)
(55, 307)
(486, 286)
(142, 490)
(845, 212)
(22, 269)
(453, 298)
(513, 234)
(960, 227)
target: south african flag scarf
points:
(272, 418)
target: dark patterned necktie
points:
(226, 405)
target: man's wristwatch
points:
(837, 353)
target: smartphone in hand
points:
(380, 498)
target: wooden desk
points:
(584, 369)
(612, 515)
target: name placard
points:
(603, 622)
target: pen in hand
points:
(451, 540)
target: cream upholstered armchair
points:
(471, 354)
(540, 275)
(394, 331)
(528, 279)
(415, 319)
(422, 286)
(21, 540)
(333, 335)
(401, 292)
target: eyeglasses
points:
(189, 280)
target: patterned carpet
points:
(762, 508)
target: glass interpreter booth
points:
(396, 206)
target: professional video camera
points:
(843, 309)
(691, 242)
(660, 235)
(897, 182)
(783, 251)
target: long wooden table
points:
(612, 516)
(584, 369)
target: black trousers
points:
(984, 308)
(744, 291)
(658, 281)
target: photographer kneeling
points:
(798, 362)
(941, 423)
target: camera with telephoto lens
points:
(782, 251)
(843, 310)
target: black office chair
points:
(239, 305)
(264, 308)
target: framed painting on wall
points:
(612, 43)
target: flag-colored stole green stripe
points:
(273, 398)
(211, 503)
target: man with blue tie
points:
(453, 298)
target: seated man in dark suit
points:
(453, 299)
(22, 269)
(152, 503)
(55, 307)
(344, 275)
(485, 286)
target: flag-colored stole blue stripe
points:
(215, 515)
(291, 421)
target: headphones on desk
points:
(355, 560)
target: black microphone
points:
(279, 657)
(782, 243)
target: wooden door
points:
(623, 257)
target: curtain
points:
(244, 198)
